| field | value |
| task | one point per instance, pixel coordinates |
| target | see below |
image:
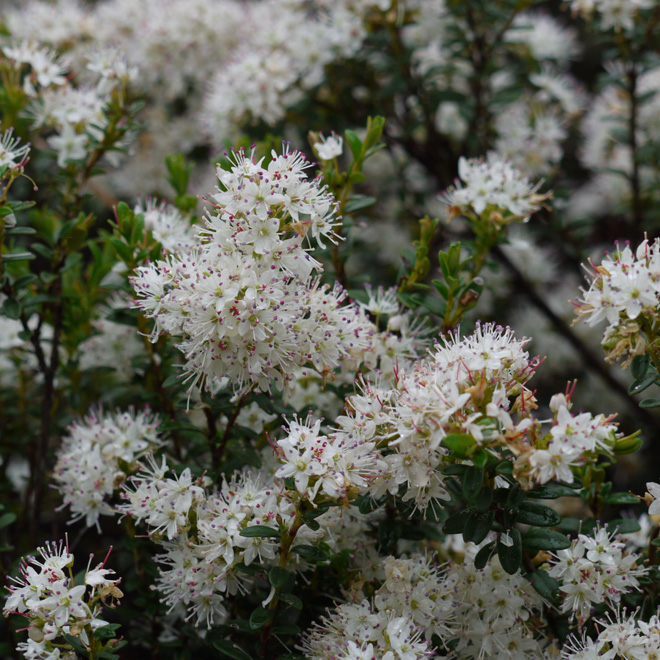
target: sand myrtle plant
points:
(285, 322)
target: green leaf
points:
(358, 202)
(477, 526)
(260, 617)
(546, 587)
(461, 444)
(293, 600)
(472, 482)
(539, 538)
(642, 383)
(621, 499)
(455, 524)
(310, 553)
(354, 143)
(510, 555)
(107, 631)
(173, 379)
(639, 366)
(261, 531)
(18, 256)
(11, 308)
(505, 467)
(75, 643)
(649, 403)
(278, 577)
(21, 231)
(531, 513)
(7, 519)
(286, 629)
(623, 525)
(179, 173)
(231, 650)
(483, 556)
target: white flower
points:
(330, 147)
(69, 144)
(654, 491)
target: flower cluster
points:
(97, 455)
(169, 226)
(77, 115)
(624, 290)
(336, 466)
(572, 440)
(595, 569)
(461, 388)
(623, 636)
(206, 534)
(493, 189)
(495, 611)
(362, 632)
(46, 595)
(244, 299)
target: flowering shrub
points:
(290, 329)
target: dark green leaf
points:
(278, 577)
(510, 554)
(260, 617)
(483, 556)
(18, 256)
(286, 629)
(455, 524)
(261, 531)
(642, 383)
(293, 600)
(21, 231)
(7, 519)
(621, 499)
(639, 366)
(11, 308)
(505, 467)
(477, 526)
(107, 631)
(623, 525)
(539, 538)
(547, 587)
(231, 650)
(472, 482)
(531, 513)
(310, 553)
(649, 403)
(75, 643)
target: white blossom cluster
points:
(167, 224)
(595, 569)
(438, 396)
(617, 14)
(476, 612)
(73, 113)
(572, 440)
(624, 290)
(622, 636)
(13, 155)
(96, 456)
(496, 612)
(244, 299)
(493, 189)
(335, 466)
(201, 535)
(361, 632)
(54, 605)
